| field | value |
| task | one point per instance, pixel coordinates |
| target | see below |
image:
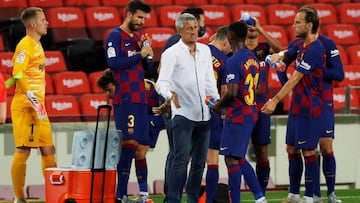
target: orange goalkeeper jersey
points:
(29, 69)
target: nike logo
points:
(329, 131)
(301, 142)
(223, 148)
(152, 123)
(127, 44)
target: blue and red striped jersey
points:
(218, 61)
(124, 59)
(242, 68)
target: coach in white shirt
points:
(185, 82)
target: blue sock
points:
(142, 174)
(212, 178)
(295, 172)
(311, 174)
(263, 173)
(234, 174)
(123, 169)
(250, 178)
(329, 170)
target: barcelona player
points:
(242, 72)
(304, 122)
(127, 58)
(31, 126)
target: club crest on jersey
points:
(131, 53)
(20, 57)
(230, 77)
(111, 52)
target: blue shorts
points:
(235, 138)
(261, 133)
(328, 121)
(303, 132)
(156, 124)
(216, 128)
(132, 120)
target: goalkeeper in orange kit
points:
(31, 126)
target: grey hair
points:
(185, 17)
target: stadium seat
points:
(2, 46)
(11, 90)
(205, 39)
(216, 15)
(352, 76)
(88, 105)
(46, 3)
(159, 2)
(297, 2)
(81, 3)
(226, 2)
(6, 65)
(355, 100)
(326, 12)
(273, 80)
(291, 33)
(54, 62)
(281, 14)
(49, 88)
(333, 1)
(100, 18)
(353, 52)
(133, 188)
(6, 192)
(71, 83)
(349, 13)
(11, 9)
(254, 10)
(168, 14)
(342, 34)
(159, 36)
(115, 3)
(62, 108)
(158, 186)
(263, 1)
(65, 24)
(339, 97)
(93, 77)
(190, 2)
(343, 55)
(278, 32)
(35, 192)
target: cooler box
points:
(74, 185)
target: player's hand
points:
(160, 110)
(269, 106)
(175, 99)
(37, 106)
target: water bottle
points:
(148, 43)
(247, 18)
(210, 101)
(278, 65)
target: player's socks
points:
(212, 178)
(251, 179)
(295, 172)
(123, 168)
(263, 173)
(311, 174)
(329, 170)
(18, 173)
(234, 174)
(47, 162)
(142, 174)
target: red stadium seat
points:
(339, 97)
(11, 89)
(273, 79)
(2, 47)
(100, 18)
(226, 2)
(281, 14)
(159, 2)
(49, 88)
(349, 12)
(326, 12)
(343, 34)
(333, 1)
(93, 77)
(62, 108)
(46, 3)
(352, 76)
(11, 9)
(278, 32)
(216, 15)
(159, 36)
(190, 2)
(168, 14)
(205, 39)
(54, 62)
(115, 3)
(353, 53)
(254, 10)
(343, 55)
(81, 3)
(297, 2)
(66, 23)
(71, 82)
(263, 1)
(355, 100)
(291, 33)
(6, 64)
(88, 105)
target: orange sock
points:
(47, 162)
(18, 173)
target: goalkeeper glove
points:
(38, 107)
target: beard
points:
(134, 27)
(302, 35)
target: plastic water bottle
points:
(278, 65)
(148, 43)
(247, 18)
(210, 101)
